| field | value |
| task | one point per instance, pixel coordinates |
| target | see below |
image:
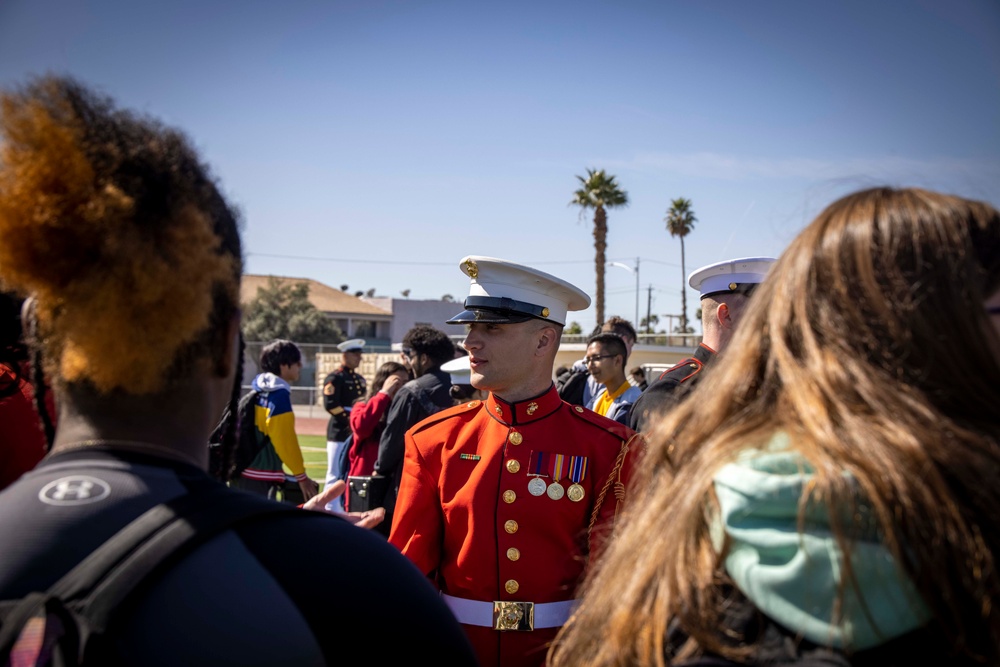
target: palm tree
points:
(600, 192)
(680, 221)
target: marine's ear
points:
(547, 336)
(725, 316)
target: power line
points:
(394, 261)
(354, 260)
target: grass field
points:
(314, 453)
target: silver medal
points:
(536, 486)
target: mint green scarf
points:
(793, 577)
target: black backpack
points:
(66, 624)
(249, 441)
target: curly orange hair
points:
(113, 225)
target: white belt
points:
(510, 615)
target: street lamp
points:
(635, 272)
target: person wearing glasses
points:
(426, 348)
(606, 356)
(725, 291)
(504, 502)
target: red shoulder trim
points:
(462, 408)
(693, 365)
(605, 424)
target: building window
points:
(364, 329)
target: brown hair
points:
(867, 344)
(383, 373)
(620, 326)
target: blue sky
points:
(375, 143)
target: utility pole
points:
(637, 291)
(635, 272)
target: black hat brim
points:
(489, 316)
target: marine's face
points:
(501, 356)
(352, 359)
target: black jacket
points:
(341, 389)
(668, 389)
(415, 401)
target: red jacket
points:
(465, 516)
(22, 441)
(367, 426)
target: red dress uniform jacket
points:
(465, 515)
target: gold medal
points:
(575, 493)
(536, 486)
(555, 491)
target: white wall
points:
(407, 313)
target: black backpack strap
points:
(164, 533)
(63, 647)
(87, 596)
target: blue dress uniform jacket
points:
(341, 389)
(668, 389)
(506, 502)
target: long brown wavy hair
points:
(870, 346)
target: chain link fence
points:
(320, 359)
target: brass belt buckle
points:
(508, 615)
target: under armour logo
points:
(74, 490)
